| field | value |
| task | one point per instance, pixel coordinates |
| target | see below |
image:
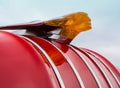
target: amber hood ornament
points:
(62, 29)
(72, 24)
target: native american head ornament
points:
(64, 29)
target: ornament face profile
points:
(71, 25)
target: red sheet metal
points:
(33, 62)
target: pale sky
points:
(104, 37)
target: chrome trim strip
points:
(59, 78)
(71, 65)
(74, 70)
(105, 75)
(89, 67)
(112, 73)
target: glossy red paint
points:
(112, 77)
(24, 65)
(21, 65)
(82, 69)
(111, 71)
(60, 62)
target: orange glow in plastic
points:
(72, 24)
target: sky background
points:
(104, 37)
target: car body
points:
(43, 57)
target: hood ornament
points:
(63, 29)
